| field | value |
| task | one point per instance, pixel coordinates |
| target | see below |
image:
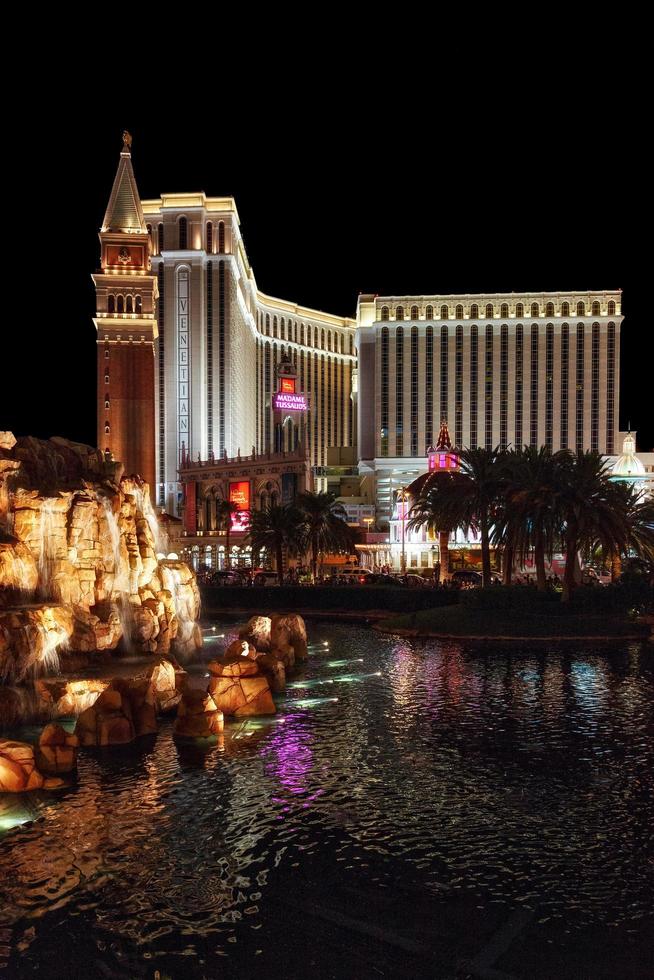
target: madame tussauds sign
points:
(284, 401)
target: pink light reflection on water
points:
(289, 759)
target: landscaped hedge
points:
(290, 598)
(618, 599)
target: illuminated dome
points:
(628, 465)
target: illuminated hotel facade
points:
(189, 350)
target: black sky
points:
(441, 177)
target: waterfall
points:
(120, 577)
(46, 550)
(144, 506)
(39, 653)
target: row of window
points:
(124, 304)
(176, 237)
(473, 312)
(309, 336)
(535, 376)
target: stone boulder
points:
(241, 689)
(163, 678)
(56, 751)
(257, 632)
(198, 715)
(238, 649)
(274, 669)
(18, 570)
(125, 710)
(18, 771)
(95, 628)
(62, 698)
(289, 630)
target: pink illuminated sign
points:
(443, 461)
(284, 401)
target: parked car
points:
(413, 581)
(466, 577)
(229, 576)
(596, 576)
(383, 579)
(265, 578)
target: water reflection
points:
(513, 775)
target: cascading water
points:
(47, 547)
(145, 507)
(120, 576)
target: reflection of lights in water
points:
(589, 684)
(15, 812)
(342, 663)
(345, 679)
(210, 639)
(311, 702)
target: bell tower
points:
(125, 320)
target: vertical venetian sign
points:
(183, 363)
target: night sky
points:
(406, 183)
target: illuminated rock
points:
(273, 667)
(237, 649)
(257, 632)
(198, 715)
(163, 678)
(125, 710)
(242, 690)
(18, 771)
(30, 639)
(83, 540)
(56, 751)
(61, 698)
(289, 630)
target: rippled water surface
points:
(397, 775)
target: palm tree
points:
(225, 510)
(594, 511)
(278, 530)
(529, 516)
(325, 525)
(463, 498)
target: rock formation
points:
(56, 751)
(125, 710)
(18, 771)
(198, 715)
(240, 688)
(82, 542)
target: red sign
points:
(287, 384)
(239, 494)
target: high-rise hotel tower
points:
(188, 350)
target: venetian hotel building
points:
(188, 349)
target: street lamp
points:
(403, 496)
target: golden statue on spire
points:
(127, 141)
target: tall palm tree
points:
(225, 511)
(325, 525)
(594, 512)
(529, 517)
(464, 498)
(278, 530)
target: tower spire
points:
(124, 212)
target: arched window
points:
(549, 309)
(429, 313)
(595, 309)
(322, 340)
(106, 403)
(611, 309)
(129, 305)
(565, 309)
(107, 430)
(384, 313)
(111, 303)
(519, 309)
(282, 328)
(489, 311)
(399, 313)
(581, 308)
(106, 353)
(160, 238)
(474, 312)
(209, 236)
(302, 334)
(183, 233)
(106, 379)
(120, 304)
(221, 237)
(138, 305)
(414, 313)
(351, 344)
(329, 340)
(535, 311)
(504, 310)
(267, 324)
(444, 312)
(274, 326)
(459, 311)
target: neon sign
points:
(284, 401)
(239, 494)
(287, 384)
(443, 461)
